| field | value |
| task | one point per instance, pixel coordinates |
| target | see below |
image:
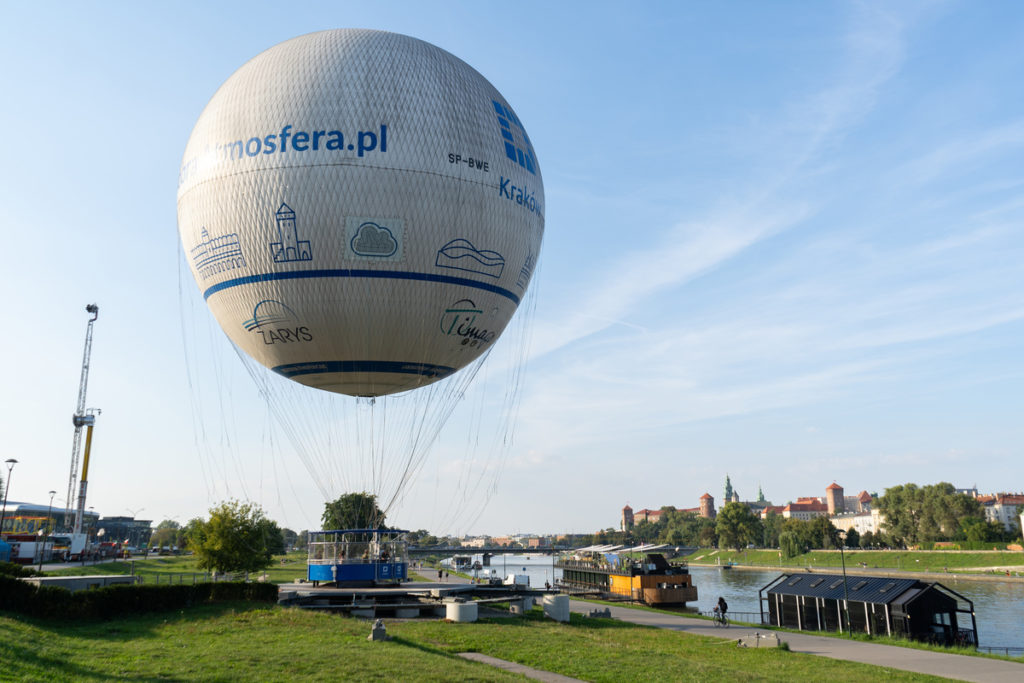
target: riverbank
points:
(874, 571)
(898, 660)
(981, 564)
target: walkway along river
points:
(998, 605)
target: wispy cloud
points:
(963, 154)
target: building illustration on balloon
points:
(213, 255)
(290, 247)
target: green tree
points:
(867, 540)
(679, 527)
(166, 534)
(353, 511)
(915, 514)
(707, 537)
(852, 539)
(796, 537)
(822, 534)
(234, 538)
(421, 537)
(186, 531)
(980, 530)
(771, 527)
(737, 526)
(273, 537)
(789, 544)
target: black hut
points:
(877, 605)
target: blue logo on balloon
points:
(518, 147)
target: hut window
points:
(860, 584)
(795, 581)
(836, 584)
(816, 582)
(887, 587)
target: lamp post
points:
(11, 462)
(43, 549)
(846, 585)
(133, 530)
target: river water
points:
(998, 605)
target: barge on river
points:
(637, 574)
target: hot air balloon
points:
(361, 210)
(363, 213)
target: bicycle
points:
(719, 619)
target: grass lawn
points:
(242, 643)
(911, 560)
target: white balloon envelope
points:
(361, 210)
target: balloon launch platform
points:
(364, 572)
(409, 600)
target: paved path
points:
(521, 669)
(958, 667)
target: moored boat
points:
(637, 574)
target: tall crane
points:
(81, 418)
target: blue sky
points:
(783, 241)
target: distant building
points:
(627, 519)
(805, 509)
(1002, 508)
(131, 531)
(834, 499)
(861, 522)
(757, 506)
(707, 506)
(769, 509)
(646, 515)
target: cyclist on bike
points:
(722, 607)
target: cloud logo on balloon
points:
(374, 241)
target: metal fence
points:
(739, 617)
(1008, 651)
(158, 579)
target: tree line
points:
(239, 537)
(912, 515)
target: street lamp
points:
(43, 549)
(11, 462)
(846, 585)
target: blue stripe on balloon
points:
(326, 366)
(349, 272)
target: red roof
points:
(807, 506)
(864, 497)
(705, 496)
(833, 486)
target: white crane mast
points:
(81, 418)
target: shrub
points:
(12, 569)
(49, 602)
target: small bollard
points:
(378, 632)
